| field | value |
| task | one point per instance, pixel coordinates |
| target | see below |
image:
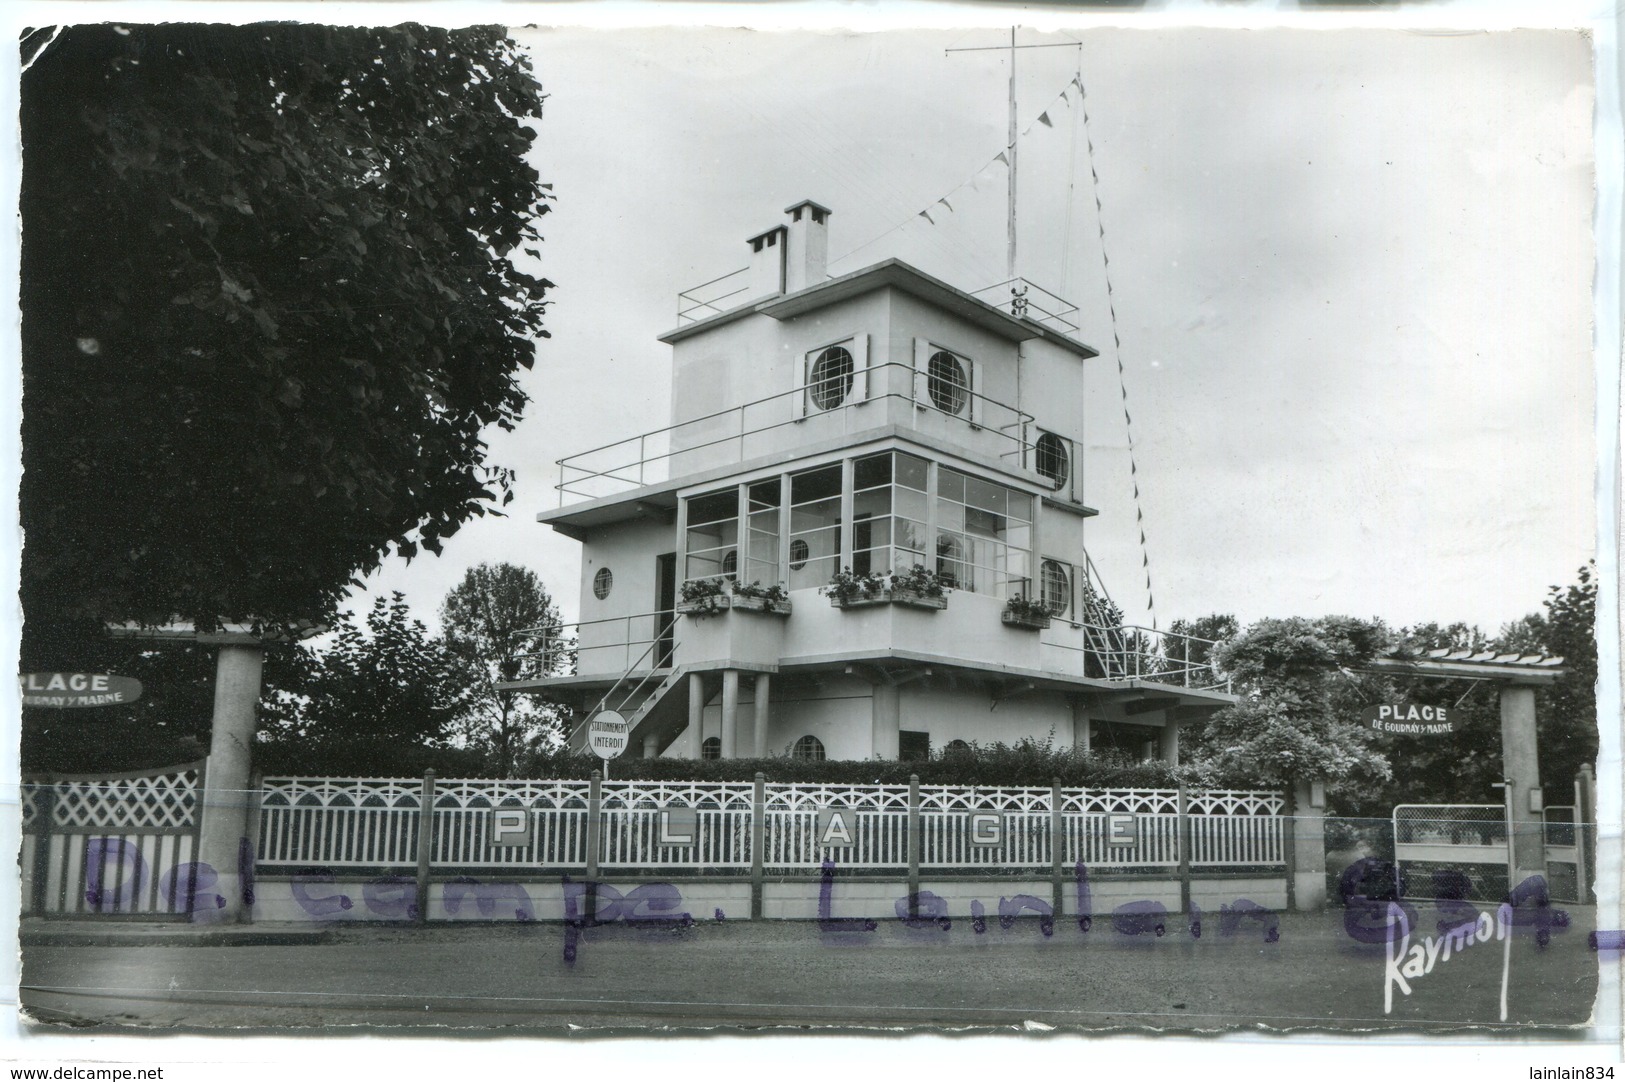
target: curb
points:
(144, 937)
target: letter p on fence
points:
(510, 826)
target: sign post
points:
(607, 736)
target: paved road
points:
(761, 974)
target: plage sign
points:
(77, 689)
(1408, 719)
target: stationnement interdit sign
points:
(607, 735)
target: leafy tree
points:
(270, 301)
(1567, 710)
(1296, 719)
(369, 699)
(491, 622)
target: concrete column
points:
(651, 746)
(1080, 727)
(730, 713)
(1168, 742)
(1520, 764)
(696, 713)
(226, 797)
(763, 712)
(1307, 837)
(884, 721)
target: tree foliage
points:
(492, 622)
(369, 698)
(270, 302)
(1298, 716)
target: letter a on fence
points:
(835, 826)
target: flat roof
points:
(894, 274)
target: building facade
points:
(843, 429)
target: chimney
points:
(807, 254)
(766, 263)
(792, 256)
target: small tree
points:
(494, 623)
(368, 700)
(1299, 696)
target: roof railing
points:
(1031, 301)
(705, 300)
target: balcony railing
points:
(646, 459)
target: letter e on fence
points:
(985, 828)
(509, 826)
(1121, 828)
(678, 826)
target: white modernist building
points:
(876, 422)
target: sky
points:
(1351, 275)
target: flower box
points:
(748, 603)
(705, 606)
(712, 604)
(1026, 620)
(911, 598)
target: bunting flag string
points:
(975, 179)
(1117, 345)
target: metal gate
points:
(1458, 851)
(1567, 878)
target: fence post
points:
(425, 844)
(913, 847)
(1057, 848)
(595, 803)
(1184, 851)
(1585, 805)
(250, 846)
(1289, 850)
(44, 828)
(758, 812)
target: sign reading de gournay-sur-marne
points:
(71, 689)
(1408, 719)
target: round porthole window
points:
(602, 583)
(1057, 588)
(1051, 460)
(947, 383)
(830, 379)
(798, 553)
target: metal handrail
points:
(620, 470)
(688, 295)
(630, 669)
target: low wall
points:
(348, 898)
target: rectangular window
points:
(711, 545)
(815, 526)
(984, 535)
(762, 555)
(888, 512)
(913, 746)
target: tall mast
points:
(1010, 225)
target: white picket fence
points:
(375, 823)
